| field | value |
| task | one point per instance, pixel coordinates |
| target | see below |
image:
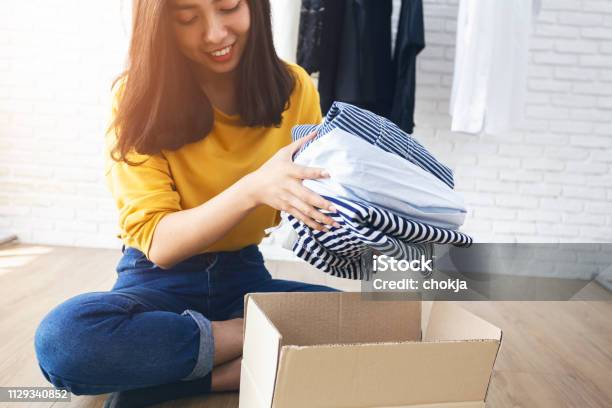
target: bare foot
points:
(226, 377)
(228, 339)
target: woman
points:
(199, 163)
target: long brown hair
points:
(160, 104)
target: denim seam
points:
(133, 298)
(210, 271)
(204, 363)
(213, 263)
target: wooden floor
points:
(554, 354)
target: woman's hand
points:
(278, 184)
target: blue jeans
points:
(153, 327)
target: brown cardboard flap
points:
(450, 322)
(384, 374)
(259, 359)
(363, 321)
(302, 318)
(306, 318)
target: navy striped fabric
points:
(366, 229)
(378, 131)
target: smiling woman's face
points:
(212, 33)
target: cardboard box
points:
(334, 349)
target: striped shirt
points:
(366, 229)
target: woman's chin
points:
(218, 68)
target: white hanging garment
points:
(491, 58)
(285, 27)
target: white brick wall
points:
(57, 61)
(551, 181)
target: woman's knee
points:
(67, 341)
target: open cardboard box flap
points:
(333, 349)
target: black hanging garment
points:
(409, 43)
(349, 43)
(362, 73)
(310, 35)
(320, 39)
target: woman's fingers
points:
(295, 146)
(313, 199)
(304, 204)
(306, 219)
(308, 173)
(303, 172)
(311, 212)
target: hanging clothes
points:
(285, 19)
(309, 49)
(370, 223)
(410, 41)
(357, 54)
(349, 43)
(333, 24)
(491, 58)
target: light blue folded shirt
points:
(365, 173)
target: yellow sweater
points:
(185, 178)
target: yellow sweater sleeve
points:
(143, 194)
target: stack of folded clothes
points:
(393, 197)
